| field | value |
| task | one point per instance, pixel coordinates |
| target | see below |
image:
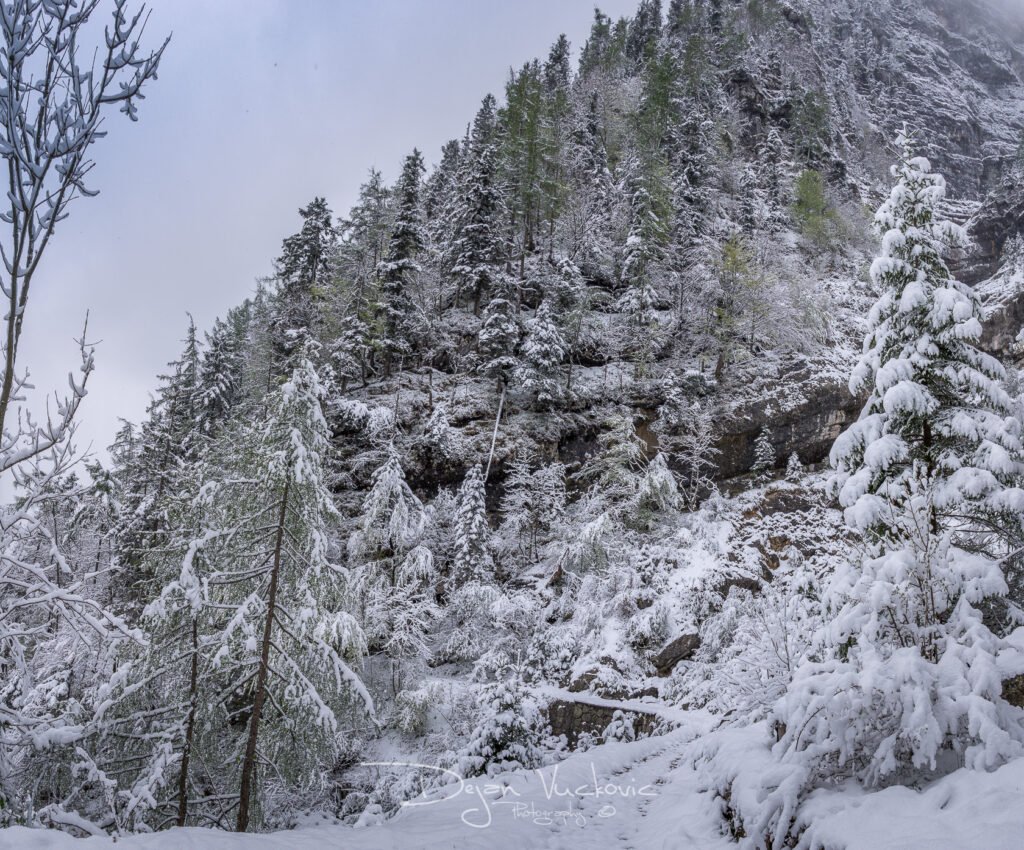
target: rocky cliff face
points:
(951, 70)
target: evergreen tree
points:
(159, 697)
(472, 562)
(657, 493)
(543, 351)
(509, 734)
(644, 30)
(764, 453)
(150, 462)
(477, 249)
(500, 332)
(586, 221)
(400, 266)
(642, 249)
(555, 119)
(364, 239)
(686, 430)
(909, 673)
(533, 503)
(794, 467)
(304, 271)
(220, 382)
(395, 574)
(521, 158)
(439, 440)
(617, 467)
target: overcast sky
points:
(259, 106)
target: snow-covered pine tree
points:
(305, 266)
(764, 454)
(285, 639)
(220, 373)
(363, 242)
(54, 638)
(394, 579)
(616, 469)
(399, 267)
(686, 430)
(644, 31)
(440, 192)
(509, 733)
(794, 467)
(555, 115)
(477, 249)
(645, 236)
(657, 492)
(620, 729)
(159, 695)
(533, 503)
(586, 221)
(500, 332)
(543, 351)
(439, 441)
(164, 446)
(472, 562)
(520, 158)
(909, 682)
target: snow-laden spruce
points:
(509, 733)
(393, 573)
(909, 678)
(544, 349)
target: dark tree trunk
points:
(260, 696)
(190, 724)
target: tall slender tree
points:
(400, 266)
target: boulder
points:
(571, 719)
(680, 649)
(1013, 691)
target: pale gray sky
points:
(260, 105)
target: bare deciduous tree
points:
(51, 112)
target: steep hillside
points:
(524, 454)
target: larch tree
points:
(157, 698)
(285, 639)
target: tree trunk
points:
(190, 724)
(260, 696)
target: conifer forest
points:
(643, 468)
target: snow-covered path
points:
(637, 796)
(642, 795)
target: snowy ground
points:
(638, 795)
(644, 795)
